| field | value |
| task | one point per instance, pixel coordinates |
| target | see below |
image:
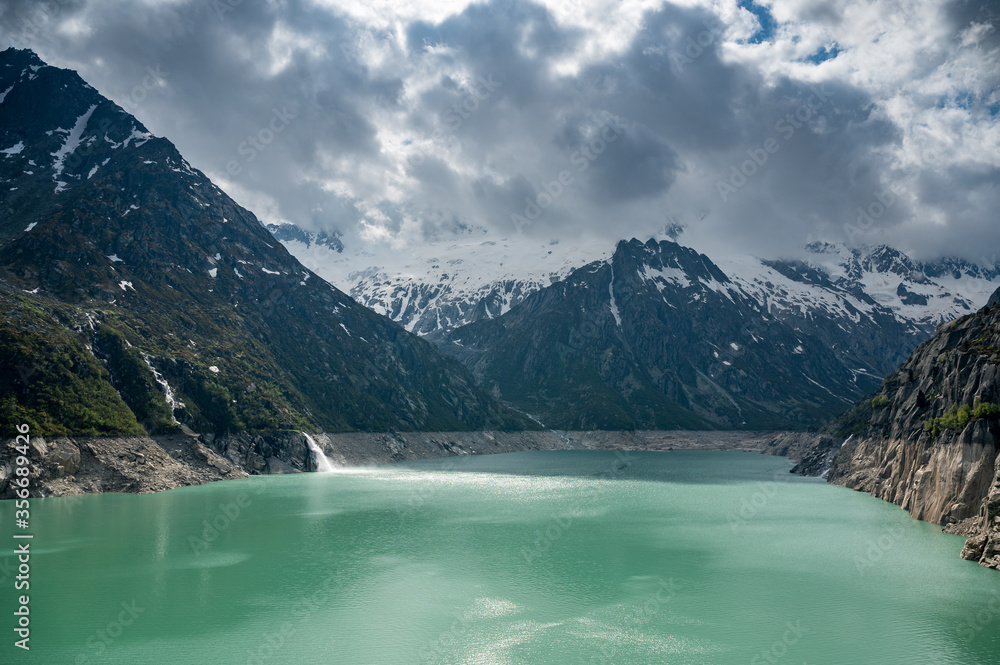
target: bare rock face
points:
(134, 464)
(929, 441)
(990, 555)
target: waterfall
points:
(319, 459)
(829, 459)
(172, 401)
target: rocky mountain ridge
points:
(139, 298)
(928, 440)
(434, 287)
(659, 336)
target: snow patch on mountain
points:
(138, 136)
(614, 305)
(662, 276)
(429, 287)
(71, 143)
(14, 149)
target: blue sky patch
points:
(767, 23)
(825, 53)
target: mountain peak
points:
(14, 57)
(57, 134)
(111, 241)
(994, 299)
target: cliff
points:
(928, 440)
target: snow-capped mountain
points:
(927, 293)
(775, 342)
(661, 336)
(437, 287)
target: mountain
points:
(432, 287)
(928, 440)
(658, 336)
(868, 306)
(924, 293)
(289, 233)
(138, 297)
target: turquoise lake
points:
(585, 557)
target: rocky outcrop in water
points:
(928, 440)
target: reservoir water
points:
(584, 557)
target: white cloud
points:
(382, 150)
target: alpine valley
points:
(654, 334)
(157, 334)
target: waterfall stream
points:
(319, 459)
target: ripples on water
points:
(568, 557)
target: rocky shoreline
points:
(929, 440)
(68, 466)
(142, 464)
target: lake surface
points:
(579, 557)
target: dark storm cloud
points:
(219, 91)
(470, 121)
(964, 13)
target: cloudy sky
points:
(759, 126)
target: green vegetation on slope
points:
(958, 416)
(49, 380)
